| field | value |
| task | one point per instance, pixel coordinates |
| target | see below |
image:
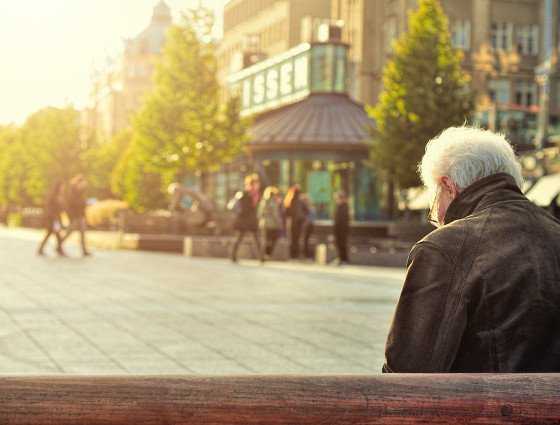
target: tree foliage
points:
(12, 167)
(182, 126)
(425, 92)
(51, 138)
(100, 159)
(46, 148)
(132, 180)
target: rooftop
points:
(325, 119)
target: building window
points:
(390, 34)
(526, 93)
(528, 39)
(501, 35)
(461, 34)
(252, 43)
(143, 46)
(499, 91)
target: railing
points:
(291, 399)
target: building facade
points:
(285, 61)
(284, 58)
(506, 44)
(116, 87)
(255, 30)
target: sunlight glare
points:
(50, 46)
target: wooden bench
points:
(279, 399)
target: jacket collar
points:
(481, 194)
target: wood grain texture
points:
(279, 399)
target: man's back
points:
(485, 288)
(513, 290)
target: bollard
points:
(321, 254)
(188, 246)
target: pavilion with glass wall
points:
(305, 130)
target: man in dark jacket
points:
(482, 292)
(341, 222)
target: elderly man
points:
(482, 292)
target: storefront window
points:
(367, 194)
(328, 69)
(270, 172)
(220, 194)
(340, 77)
(321, 71)
(319, 178)
(319, 190)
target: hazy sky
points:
(47, 47)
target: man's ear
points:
(449, 186)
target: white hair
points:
(467, 154)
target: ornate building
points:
(507, 46)
(117, 86)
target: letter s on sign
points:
(258, 89)
(271, 84)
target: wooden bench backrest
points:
(280, 399)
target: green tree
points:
(132, 180)
(52, 149)
(13, 169)
(100, 160)
(425, 92)
(46, 148)
(182, 126)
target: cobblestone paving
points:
(139, 312)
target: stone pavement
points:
(156, 313)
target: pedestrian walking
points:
(75, 208)
(52, 217)
(296, 213)
(308, 225)
(246, 217)
(270, 219)
(341, 226)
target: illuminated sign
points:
(290, 77)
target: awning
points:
(544, 190)
(321, 121)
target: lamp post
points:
(542, 80)
(542, 77)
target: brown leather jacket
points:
(482, 292)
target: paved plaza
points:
(134, 312)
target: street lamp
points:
(542, 74)
(542, 80)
